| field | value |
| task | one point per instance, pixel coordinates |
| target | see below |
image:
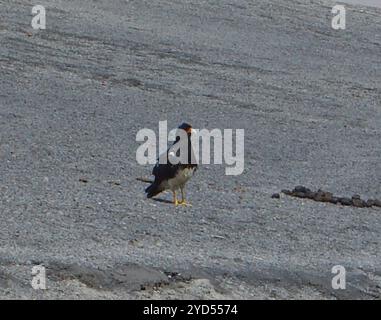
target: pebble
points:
(299, 194)
(334, 200)
(359, 203)
(345, 201)
(301, 189)
(377, 203)
(323, 196)
(310, 195)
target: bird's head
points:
(181, 139)
(187, 128)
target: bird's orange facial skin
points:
(189, 130)
(186, 127)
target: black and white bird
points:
(173, 175)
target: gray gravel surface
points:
(73, 97)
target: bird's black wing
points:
(164, 172)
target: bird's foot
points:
(184, 203)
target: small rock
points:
(356, 197)
(310, 195)
(334, 200)
(84, 180)
(345, 201)
(370, 203)
(301, 189)
(288, 192)
(319, 195)
(299, 194)
(326, 196)
(359, 203)
(275, 196)
(377, 203)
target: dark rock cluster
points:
(324, 196)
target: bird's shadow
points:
(162, 200)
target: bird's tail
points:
(153, 190)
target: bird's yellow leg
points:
(183, 202)
(175, 198)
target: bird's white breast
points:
(181, 178)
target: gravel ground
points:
(73, 96)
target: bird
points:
(173, 176)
